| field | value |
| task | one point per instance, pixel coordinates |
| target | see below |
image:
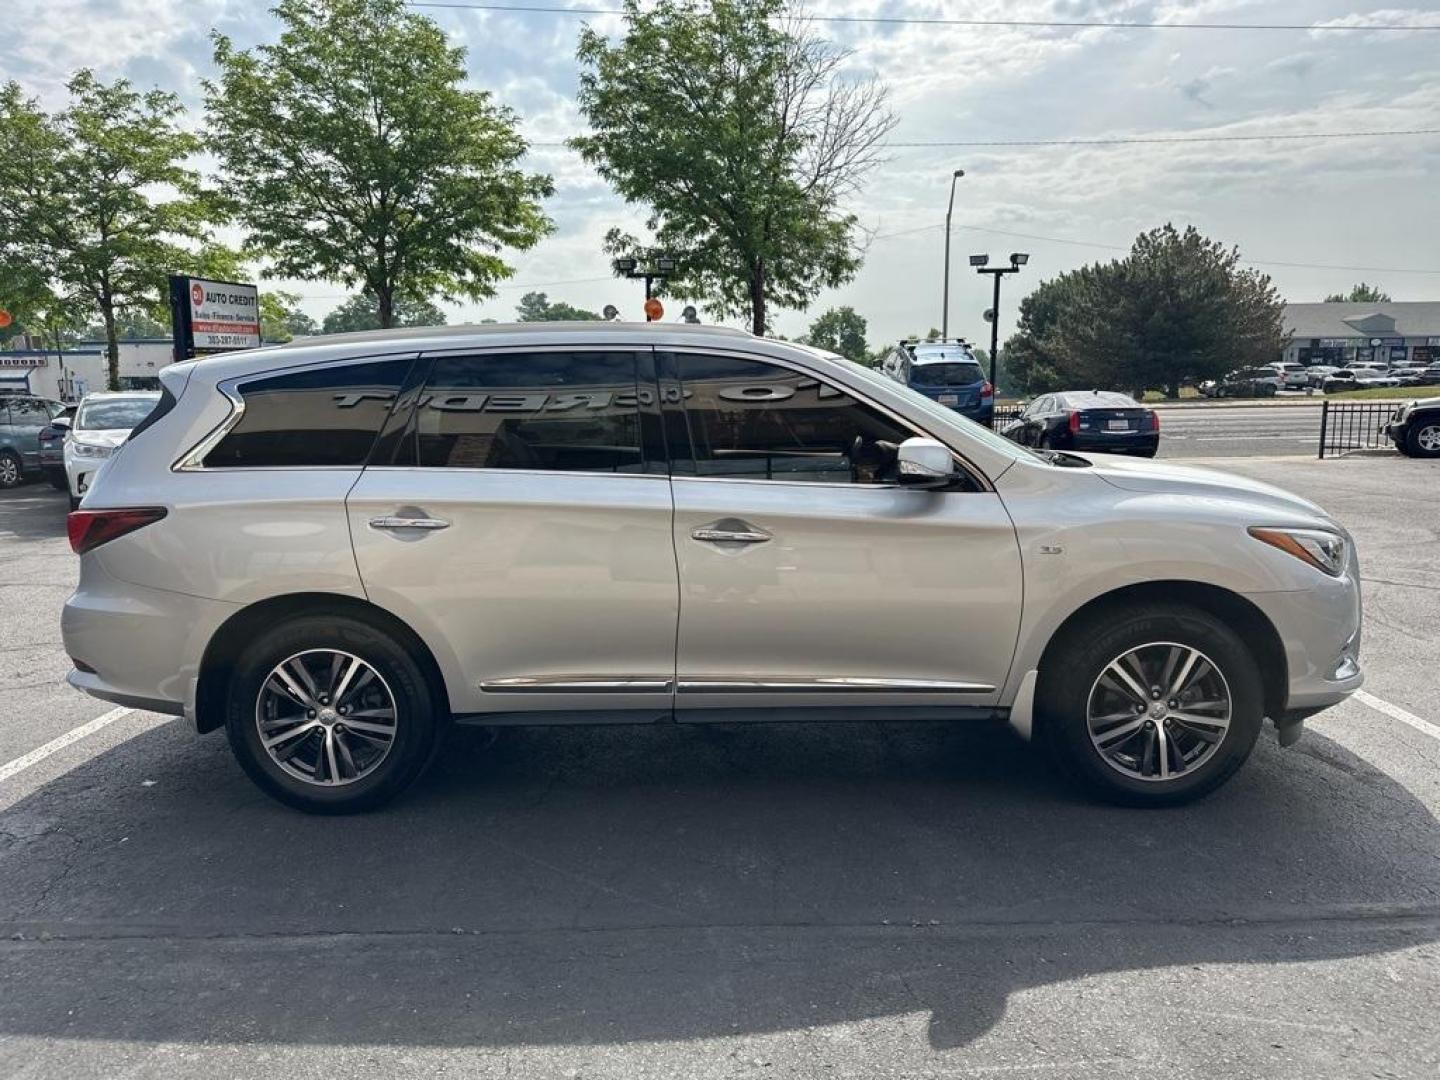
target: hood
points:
(101, 436)
(1163, 478)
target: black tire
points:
(1074, 666)
(57, 479)
(1430, 425)
(417, 719)
(12, 472)
(74, 502)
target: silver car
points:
(335, 549)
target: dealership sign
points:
(213, 316)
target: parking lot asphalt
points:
(1254, 430)
(853, 901)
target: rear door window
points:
(560, 411)
(317, 417)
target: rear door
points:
(518, 515)
(807, 577)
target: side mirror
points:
(925, 463)
(61, 422)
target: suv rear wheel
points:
(11, 472)
(329, 715)
(1153, 706)
(1423, 439)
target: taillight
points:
(1074, 423)
(1154, 420)
(986, 390)
(89, 529)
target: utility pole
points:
(980, 262)
(945, 303)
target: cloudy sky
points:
(1317, 215)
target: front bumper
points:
(1320, 631)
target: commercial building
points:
(1346, 333)
(69, 374)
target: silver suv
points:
(334, 549)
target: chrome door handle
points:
(729, 531)
(408, 523)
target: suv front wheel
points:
(1153, 706)
(329, 715)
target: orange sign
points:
(653, 310)
(5, 318)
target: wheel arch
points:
(1248, 621)
(227, 643)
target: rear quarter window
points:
(326, 416)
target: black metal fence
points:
(1354, 425)
(1004, 414)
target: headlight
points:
(92, 450)
(1323, 550)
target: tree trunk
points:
(386, 296)
(1172, 391)
(112, 344)
(757, 298)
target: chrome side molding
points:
(702, 685)
(578, 684)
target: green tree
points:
(534, 307)
(281, 319)
(353, 152)
(1176, 310)
(81, 202)
(1364, 293)
(361, 312)
(841, 330)
(130, 325)
(728, 121)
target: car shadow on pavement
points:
(605, 886)
(33, 511)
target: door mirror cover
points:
(924, 461)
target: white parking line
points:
(1423, 726)
(54, 746)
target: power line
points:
(1127, 141)
(1064, 24)
(1121, 247)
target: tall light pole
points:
(665, 266)
(1017, 260)
(945, 303)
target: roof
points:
(590, 328)
(121, 393)
(1419, 318)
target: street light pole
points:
(665, 266)
(1017, 260)
(945, 303)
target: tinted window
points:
(959, 373)
(568, 411)
(757, 421)
(1102, 400)
(28, 412)
(322, 416)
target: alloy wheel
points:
(1159, 711)
(9, 471)
(326, 717)
(1428, 438)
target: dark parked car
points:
(1097, 420)
(52, 446)
(21, 418)
(1247, 382)
(1415, 428)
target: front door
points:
(807, 576)
(519, 523)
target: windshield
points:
(949, 374)
(114, 414)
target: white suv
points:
(336, 548)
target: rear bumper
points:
(144, 645)
(1141, 442)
